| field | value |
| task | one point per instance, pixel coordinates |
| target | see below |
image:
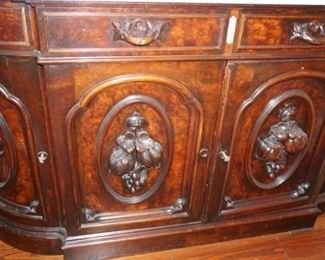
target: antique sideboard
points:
(127, 128)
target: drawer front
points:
(103, 32)
(15, 27)
(287, 33)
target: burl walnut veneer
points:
(130, 128)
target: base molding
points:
(114, 244)
(35, 239)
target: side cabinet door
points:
(133, 144)
(20, 195)
(273, 140)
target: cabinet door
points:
(22, 131)
(271, 139)
(138, 142)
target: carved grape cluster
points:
(136, 152)
(282, 138)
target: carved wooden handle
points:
(312, 32)
(139, 32)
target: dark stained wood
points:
(132, 128)
(169, 90)
(276, 246)
(268, 91)
(16, 27)
(273, 31)
(93, 32)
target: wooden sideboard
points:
(129, 128)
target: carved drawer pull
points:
(139, 32)
(312, 32)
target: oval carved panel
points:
(135, 154)
(280, 141)
(124, 134)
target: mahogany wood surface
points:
(128, 128)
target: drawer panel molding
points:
(104, 33)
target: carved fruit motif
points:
(135, 154)
(282, 138)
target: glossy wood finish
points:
(160, 98)
(275, 31)
(247, 183)
(16, 27)
(93, 32)
(131, 128)
(29, 189)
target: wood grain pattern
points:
(78, 32)
(206, 156)
(15, 27)
(265, 31)
(256, 101)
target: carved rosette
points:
(283, 138)
(136, 152)
(312, 32)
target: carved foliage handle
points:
(283, 138)
(312, 32)
(136, 152)
(139, 32)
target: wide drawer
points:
(281, 31)
(15, 27)
(109, 32)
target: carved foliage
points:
(312, 32)
(283, 138)
(134, 154)
(139, 32)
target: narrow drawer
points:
(287, 32)
(101, 32)
(15, 27)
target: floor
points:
(304, 245)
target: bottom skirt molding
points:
(108, 245)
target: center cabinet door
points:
(138, 140)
